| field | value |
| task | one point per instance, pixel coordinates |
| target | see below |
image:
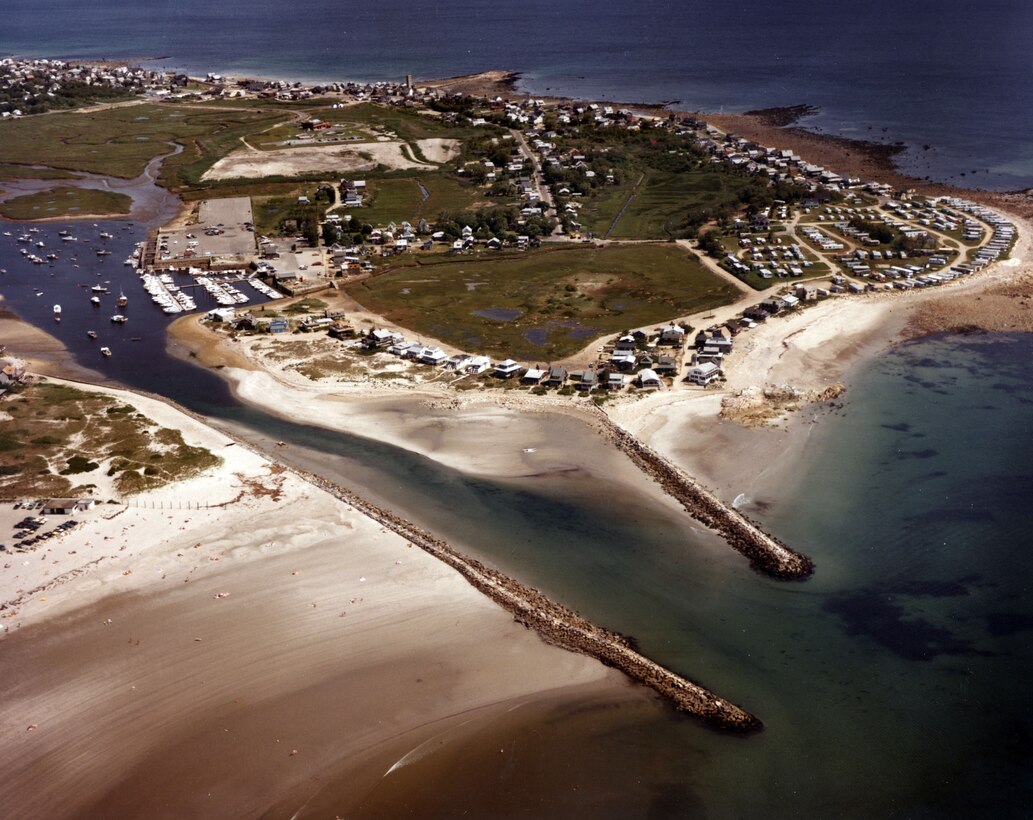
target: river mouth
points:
(152, 205)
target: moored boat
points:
(119, 319)
(92, 334)
(105, 351)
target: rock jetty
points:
(764, 551)
(557, 624)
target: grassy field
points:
(544, 305)
(66, 202)
(8, 171)
(400, 198)
(59, 436)
(660, 203)
(121, 141)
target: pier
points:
(764, 551)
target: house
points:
(623, 360)
(66, 506)
(649, 379)
(615, 381)
(672, 335)
(457, 362)
(703, 374)
(433, 356)
(477, 364)
(507, 369)
(224, 314)
(341, 330)
(626, 343)
(278, 326)
(588, 381)
(666, 366)
(557, 376)
(533, 376)
(381, 338)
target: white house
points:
(704, 374)
(649, 380)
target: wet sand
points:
(228, 657)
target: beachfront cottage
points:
(433, 356)
(648, 379)
(507, 369)
(477, 364)
(703, 374)
(588, 381)
(532, 376)
(557, 376)
(457, 362)
(615, 381)
(672, 335)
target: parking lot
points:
(23, 527)
(224, 229)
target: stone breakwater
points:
(765, 553)
(556, 624)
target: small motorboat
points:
(105, 351)
(119, 319)
(91, 334)
(95, 301)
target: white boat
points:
(57, 311)
(95, 301)
(119, 319)
(91, 334)
(103, 252)
(99, 289)
(105, 235)
(105, 351)
(122, 300)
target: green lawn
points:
(66, 202)
(542, 305)
(121, 141)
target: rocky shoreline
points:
(765, 552)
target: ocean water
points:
(892, 683)
(952, 80)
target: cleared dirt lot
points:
(251, 164)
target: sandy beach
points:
(246, 647)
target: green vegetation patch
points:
(60, 431)
(659, 205)
(64, 201)
(409, 199)
(121, 141)
(547, 304)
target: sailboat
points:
(123, 300)
(57, 313)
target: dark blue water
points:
(947, 74)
